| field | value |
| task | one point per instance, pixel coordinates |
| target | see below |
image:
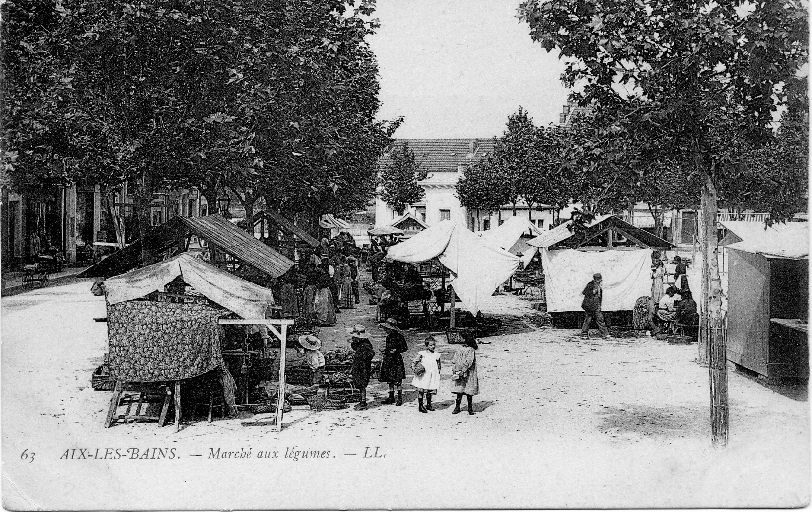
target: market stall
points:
(478, 267)
(510, 236)
(572, 252)
(211, 238)
(169, 337)
(768, 302)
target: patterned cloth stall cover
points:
(163, 341)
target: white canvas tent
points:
(479, 267)
(509, 233)
(626, 276)
(242, 297)
(625, 267)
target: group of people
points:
(673, 304)
(425, 366)
(325, 282)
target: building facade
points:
(77, 222)
(446, 160)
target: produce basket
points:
(100, 380)
(455, 336)
(345, 395)
(319, 403)
(680, 340)
(267, 407)
(300, 375)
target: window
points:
(486, 224)
(445, 215)
(540, 223)
(420, 213)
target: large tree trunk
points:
(143, 210)
(109, 199)
(210, 193)
(714, 334)
(248, 202)
(657, 215)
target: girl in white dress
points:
(427, 381)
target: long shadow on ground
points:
(654, 421)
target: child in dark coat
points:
(392, 369)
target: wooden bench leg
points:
(177, 405)
(165, 407)
(211, 403)
(111, 413)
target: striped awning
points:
(288, 226)
(238, 243)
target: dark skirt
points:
(360, 373)
(392, 369)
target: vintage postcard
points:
(404, 254)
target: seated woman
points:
(667, 309)
(687, 311)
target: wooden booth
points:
(212, 238)
(768, 307)
(165, 333)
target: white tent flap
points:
(509, 232)
(425, 245)
(242, 297)
(479, 267)
(626, 276)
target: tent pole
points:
(280, 402)
(452, 321)
(442, 287)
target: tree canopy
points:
(399, 177)
(272, 99)
(705, 79)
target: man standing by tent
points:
(593, 296)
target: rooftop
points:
(443, 155)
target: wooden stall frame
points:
(282, 334)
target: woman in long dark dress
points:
(392, 370)
(361, 362)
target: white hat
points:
(309, 342)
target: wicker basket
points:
(268, 407)
(320, 403)
(301, 375)
(100, 380)
(344, 395)
(455, 337)
(681, 340)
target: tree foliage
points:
(697, 77)
(481, 186)
(705, 78)
(399, 177)
(272, 99)
(526, 164)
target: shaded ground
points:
(560, 422)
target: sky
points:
(459, 68)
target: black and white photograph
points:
(404, 254)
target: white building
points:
(445, 160)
